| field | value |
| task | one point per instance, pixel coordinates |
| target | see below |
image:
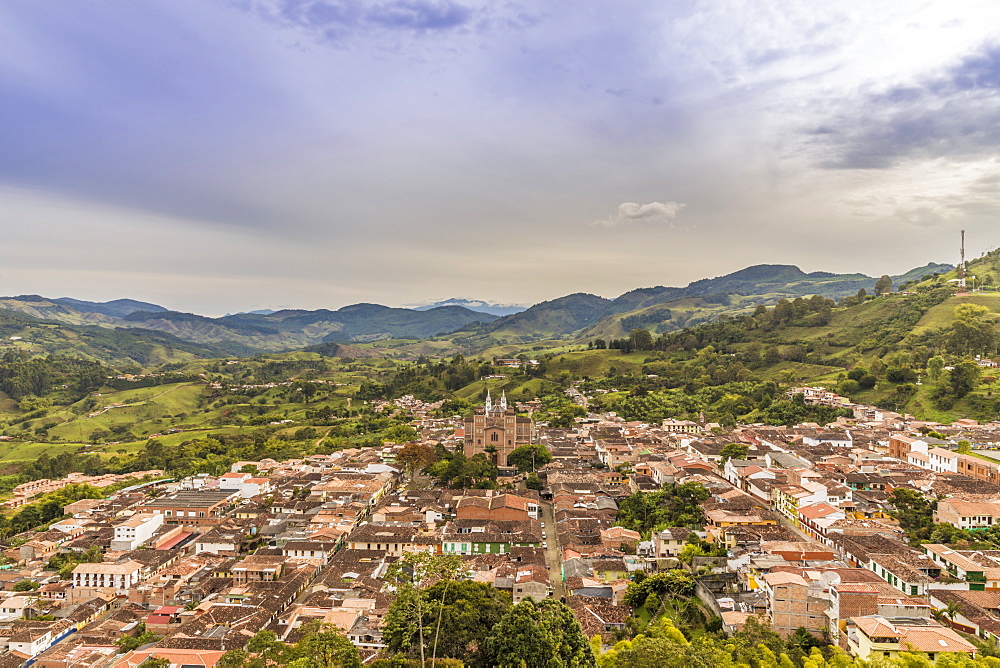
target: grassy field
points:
(11, 452)
(942, 315)
(597, 362)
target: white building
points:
(136, 531)
(119, 577)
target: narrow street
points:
(785, 522)
(577, 396)
(553, 555)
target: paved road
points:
(553, 555)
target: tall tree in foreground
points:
(414, 620)
(539, 635)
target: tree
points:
(543, 634)
(324, 646)
(321, 646)
(963, 378)
(734, 451)
(971, 333)
(935, 366)
(913, 510)
(675, 506)
(26, 585)
(410, 618)
(641, 339)
(416, 456)
(883, 285)
(529, 457)
(460, 615)
(675, 583)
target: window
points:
(494, 437)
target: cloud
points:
(631, 212)
(331, 19)
(953, 114)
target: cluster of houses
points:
(26, 491)
(803, 514)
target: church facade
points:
(496, 430)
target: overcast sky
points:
(216, 156)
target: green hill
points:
(30, 336)
(664, 309)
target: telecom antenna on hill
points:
(961, 264)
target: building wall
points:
(503, 430)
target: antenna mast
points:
(961, 264)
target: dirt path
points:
(320, 439)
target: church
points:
(496, 430)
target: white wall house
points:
(136, 531)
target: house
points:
(484, 537)
(793, 603)
(670, 541)
(876, 636)
(136, 531)
(961, 565)
(978, 612)
(968, 514)
(498, 507)
(189, 658)
(193, 507)
(119, 577)
(619, 538)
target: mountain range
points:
(473, 305)
(665, 309)
(144, 332)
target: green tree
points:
(971, 333)
(883, 285)
(734, 451)
(675, 506)
(935, 366)
(460, 614)
(963, 378)
(533, 482)
(542, 635)
(529, 457)
(641, 339)
(325, 647)
(913, 510)
(412, 620)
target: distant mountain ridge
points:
(574, 317)
(700, 301)
(118, 308)
(473, 305)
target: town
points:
(800, 527)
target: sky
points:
(214, 156)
